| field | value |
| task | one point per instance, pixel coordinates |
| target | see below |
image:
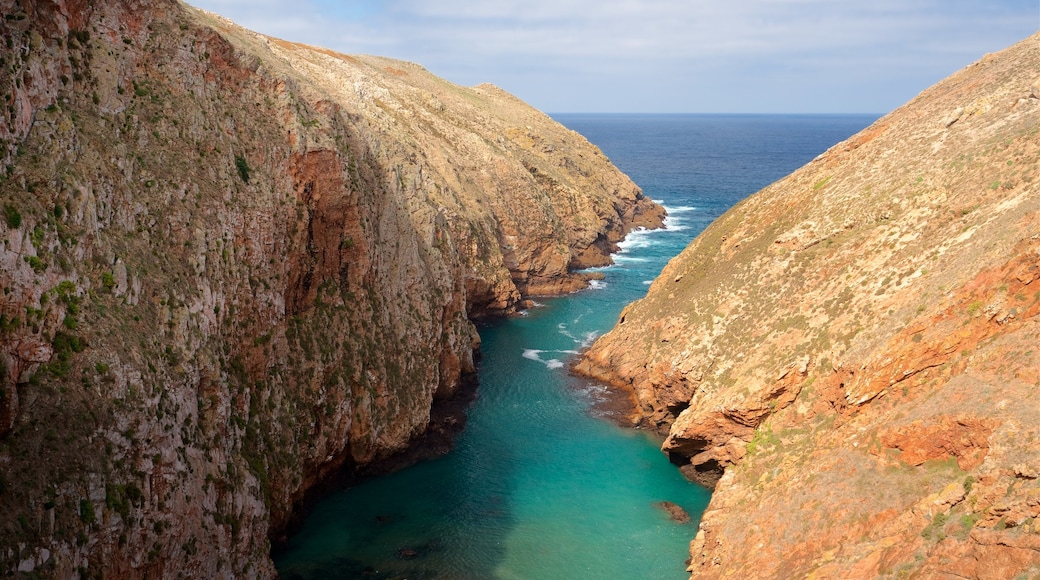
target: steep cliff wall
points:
(854, 349)
(234, 267)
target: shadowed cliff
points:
(853, 349)
(235, 269)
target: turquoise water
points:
(539, 487)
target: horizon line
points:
(748, 114)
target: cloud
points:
(677, 55)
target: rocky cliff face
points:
(235, 267)
(853, 350)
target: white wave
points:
(565, 332)
(678, 208)
(532, 354)
(637, 238)
(621, 259)
(593, 393)
(597, 284)
(552, 363)
(648, 282)
(672, 224)
(588, 338)
(643, 238)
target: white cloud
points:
(607, 54)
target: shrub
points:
(86, 511)
(12, 216)
(35, 263)
(243, 168)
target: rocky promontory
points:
(236, 269)
(850, 355)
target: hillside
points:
(237, 271)
(850, 355)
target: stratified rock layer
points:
(235, 268)
(854, 349)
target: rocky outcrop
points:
(852, 350)
(235, 269)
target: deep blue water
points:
(539, 487)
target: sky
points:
(665, 56)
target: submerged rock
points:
(407, 554)
(674, 511)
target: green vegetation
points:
(86, 511)
(120, 498)
(967, 522)
(36, 237)
(35, 263)
(64, 345)
(243, 168)
(12, 216)
(764, 437)
(934, 530)
(9, 324)
(819, 184)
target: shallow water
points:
(539, 486)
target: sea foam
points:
(552, 363)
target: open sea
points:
(539, 486)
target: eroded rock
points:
(240, 271)
(858, 345)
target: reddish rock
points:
(857, 342)
(239, 272)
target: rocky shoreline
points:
(239, 269)
(447, 420)
(848, 356)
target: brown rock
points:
(965, 439)
(239, 271)
(858, 345)
(674, 511)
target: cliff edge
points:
(849, 356)
(236, 268)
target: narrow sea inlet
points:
(539, 486)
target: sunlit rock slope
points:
(854, 349)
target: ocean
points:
(540, 485)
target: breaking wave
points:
(551, 363)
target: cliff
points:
(236, 268)
(849, 355)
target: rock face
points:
(853, 350)
(236, 268)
